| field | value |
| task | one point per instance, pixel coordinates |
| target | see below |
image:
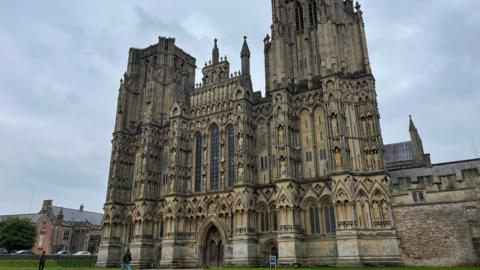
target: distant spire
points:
(411, 126)
(245, 50)
(417, 146)
(215, 53)
(60, 214)
(245, 55)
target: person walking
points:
(43, 259)
(127, 258)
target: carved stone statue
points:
(283, 166)
(338, 159)
(281, 135)
(172, 186)
(240, 141)
(334, 125)
(240, 171)
(204, 182)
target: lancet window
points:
(214, 157)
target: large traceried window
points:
(198, 162)
(320, 217)
(299, 17)
(214, 157)
(231, 155)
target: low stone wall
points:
(435, 235)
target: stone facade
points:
(213, 173)
(59, 228)
(436, 208)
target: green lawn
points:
(52, 265)
(33, 265)
(364, 268)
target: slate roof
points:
(33, 217)
(398, 152)
(75, 215)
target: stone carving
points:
(338, 159)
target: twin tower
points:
(213, 173)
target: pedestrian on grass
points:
(127, 258)
(43, 259)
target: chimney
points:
(81, 207)
(47, 205)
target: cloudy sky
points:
(61, 62)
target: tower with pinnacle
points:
(214, 174)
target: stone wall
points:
(434, 235)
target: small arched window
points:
(312, 9)
(214, 157)
(198, 162)
(299, 17)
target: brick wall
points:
(434, 235)
(44, 236)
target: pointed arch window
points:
(329, 217)
(313, 12)
(214, 157)
(231, 155)
(264, 220)
(299, 17)
(314, 219)
(198, 162)
(274, 216)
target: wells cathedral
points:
(215, 174)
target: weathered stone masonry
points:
(212, 173)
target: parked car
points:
(82, 253)
(24, 252)
(3, 251)
(63, 252)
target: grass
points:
(52, 265)
(33, 265)
(364, 268)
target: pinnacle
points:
(245, 49)
(411, 125)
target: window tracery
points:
(198, 162)
(214, 157)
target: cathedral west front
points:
(215, 174)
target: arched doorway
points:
(213, 248)
(270, 249)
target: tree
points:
(17, 233)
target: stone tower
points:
(320, 47)
(215, 174)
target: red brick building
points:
(59, 228)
